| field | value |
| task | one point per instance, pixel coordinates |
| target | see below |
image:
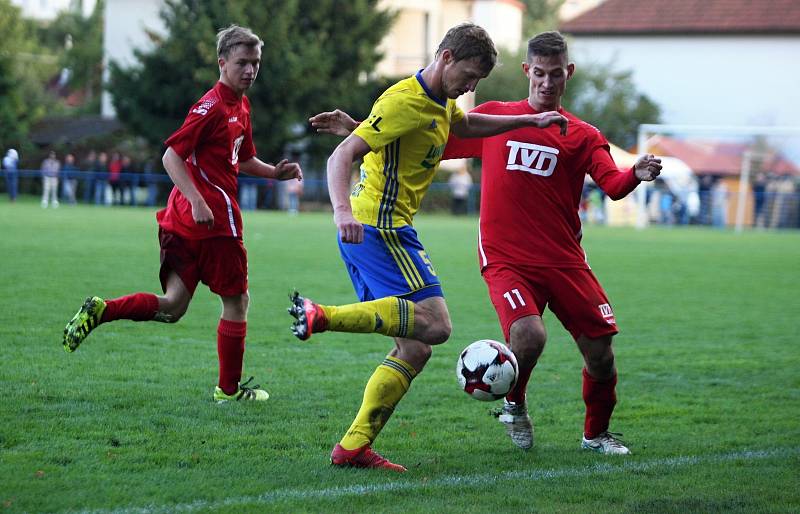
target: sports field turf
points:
(709, 394)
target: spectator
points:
(11, 165)
(87, 166)
(719, 204)
(101, 179)
(51, 167)
(70, 179)
(294, 190)
(128, 182)
(759, 199)
(114, 180)
(460, 185)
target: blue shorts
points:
(390, 262)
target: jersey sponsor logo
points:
(233, 119)
(534, 159)
(607, 313)
(434, 156)
(237, 143)
(204, 107)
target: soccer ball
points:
(486, 370)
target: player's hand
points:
(647, 167)
(286, 170)
(350, 230)
(545, 119)
(337, 122)
(202, 215)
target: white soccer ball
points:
(486, 370)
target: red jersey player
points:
(529, 239)
(529, 245)
(200, 231)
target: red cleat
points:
(362, 457)
(309, 317)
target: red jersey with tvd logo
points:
(214, 137)
(531, 187)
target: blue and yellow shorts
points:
(390, 262)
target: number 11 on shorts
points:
(507, 296)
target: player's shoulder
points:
(580, 126)
(209, 103)
(498, 107)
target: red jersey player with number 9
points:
(200, 231)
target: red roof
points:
(688, 17)
(718, 158)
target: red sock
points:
(137, 307)
(517, 393)
(230, 348)
(600, 397)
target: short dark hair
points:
(467, 41)
(547, 44)
(233, 36)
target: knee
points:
(171, 313)
(528, 339)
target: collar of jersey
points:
(226, 93)
(428, 92)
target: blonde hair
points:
(233, 36)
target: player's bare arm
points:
(176, 169)
(339, 164)
(284, 170)
(647, 167)
(337, 122)
(483, 125)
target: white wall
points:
(125, 24)
(713, 80)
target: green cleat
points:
(244, 392)
(87, 318)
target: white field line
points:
(612, 465)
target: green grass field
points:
(708, 355)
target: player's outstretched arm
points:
(176, 169)
(337, 122)
(483, 125)
(647, 168)
(284, 170)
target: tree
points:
(23, 70)
(79, 41)
(315, 53)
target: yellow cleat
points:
(87, 318)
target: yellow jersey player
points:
(401, 144)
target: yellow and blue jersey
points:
(407, 131)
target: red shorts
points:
(218, 262)
(574, 295)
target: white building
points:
(717, 62)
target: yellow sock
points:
(390, 316)
(385, 388)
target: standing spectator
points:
(704, 191)
(114, 170)
(87, 166)
(200, 230)
(101, 179)
(719, 204)
(460, 185)
(294, 190)
(69, 179)
(759, 199)
(11, 165)
(128, 182)
(51, 167)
